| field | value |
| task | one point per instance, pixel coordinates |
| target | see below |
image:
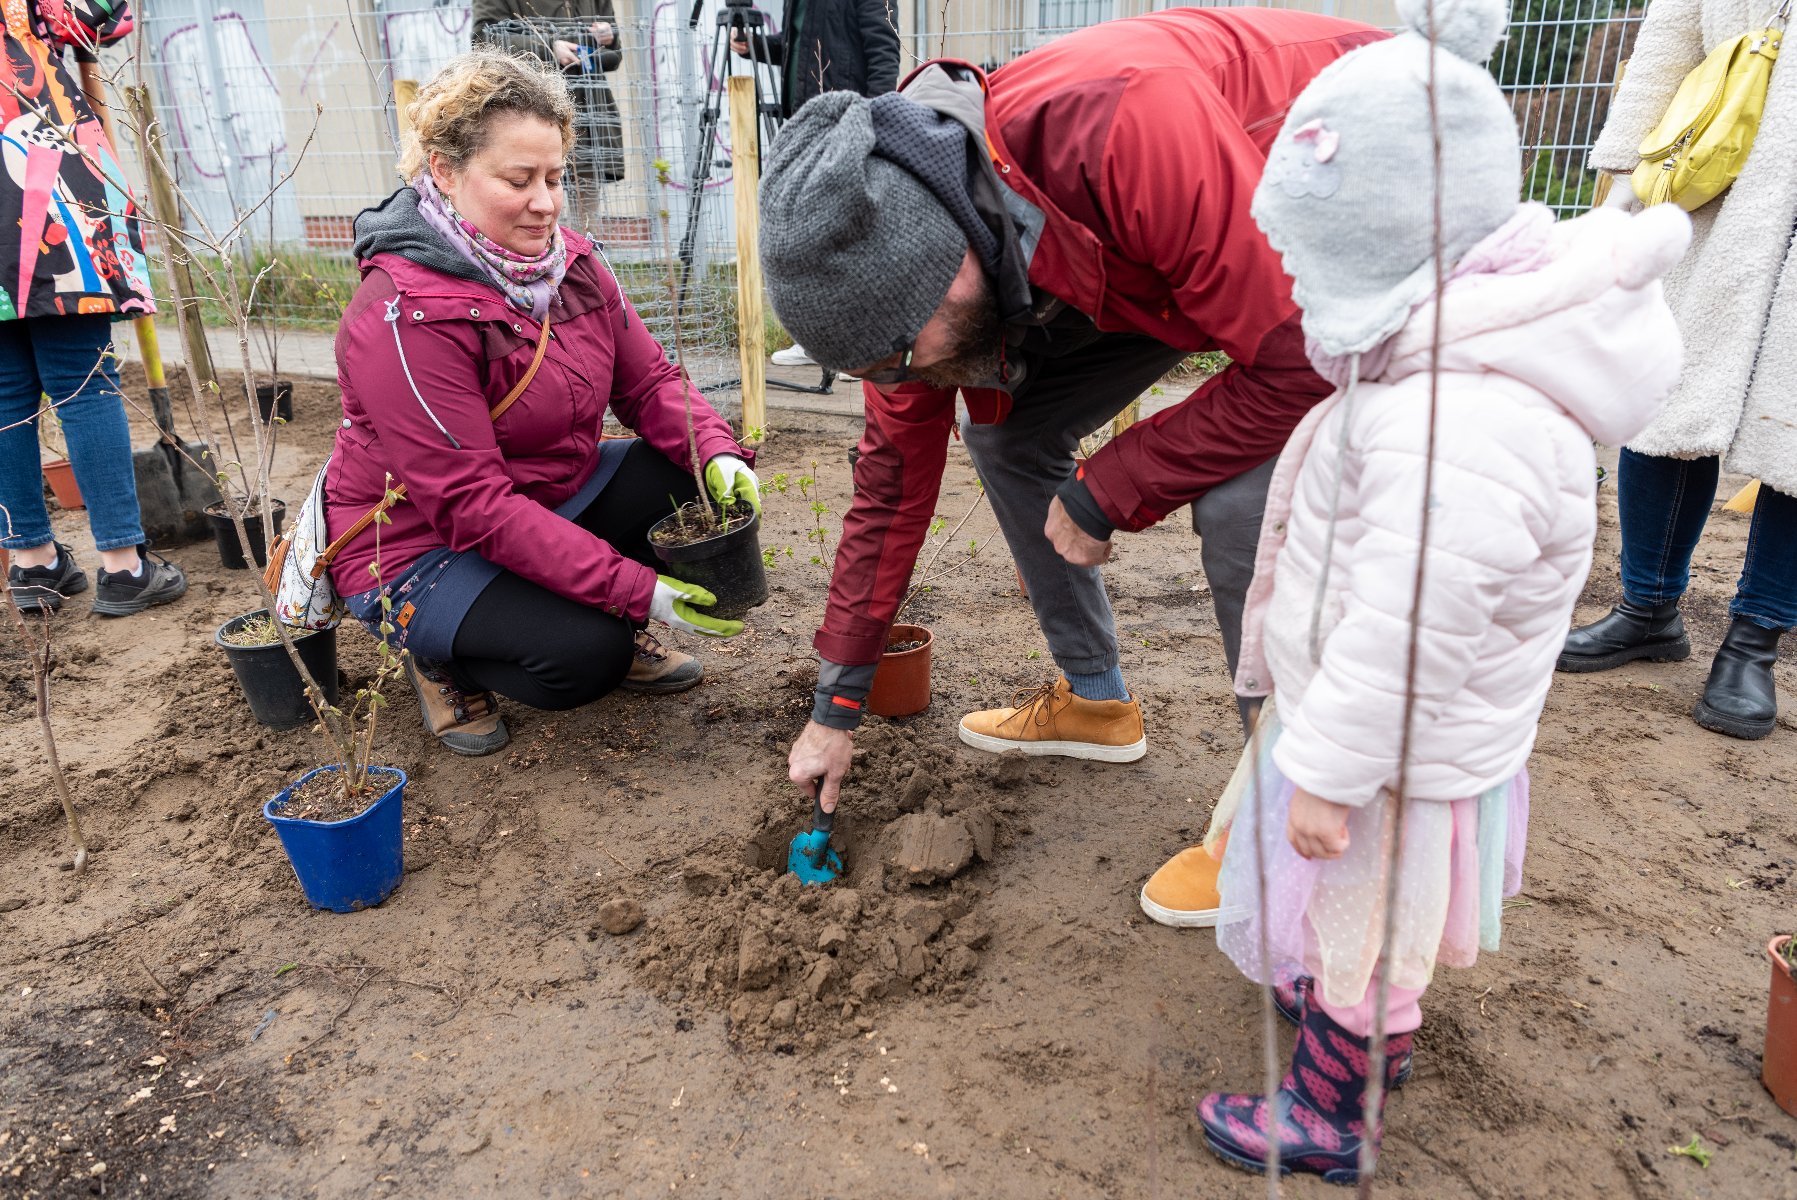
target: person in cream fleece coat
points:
(1735, 404)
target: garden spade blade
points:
(810, 857)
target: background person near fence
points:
(581, 39)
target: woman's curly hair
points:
(453, 112)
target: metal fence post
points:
(751, 325)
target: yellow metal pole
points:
(751, 326)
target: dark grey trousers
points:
(1024, 460)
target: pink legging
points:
(1403, 1008)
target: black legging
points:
(527, 643)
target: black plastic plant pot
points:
(275, 400)
(728, 565)
(224, 532)
(276, 693)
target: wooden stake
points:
(168, 212)
(751, 326)
(1127, 417)
(404, 92)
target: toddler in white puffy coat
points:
(1549, 335)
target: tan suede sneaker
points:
(1052, 720)
(1183, 893)
(659, 669)
(469, 725)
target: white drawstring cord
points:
(616, 281)
(393, 323)
(1335, 504)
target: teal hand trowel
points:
(811, 858)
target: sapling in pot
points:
(716, 546)
(341, 823)
(901, 686)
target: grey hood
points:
(394, 227)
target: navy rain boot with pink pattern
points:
(1317, 1110)
(1291, 999)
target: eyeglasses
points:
(899, 374)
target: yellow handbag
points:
(1701, 144)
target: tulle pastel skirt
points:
(1460, 860)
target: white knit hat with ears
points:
(1347, 194)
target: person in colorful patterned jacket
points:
(71, 263)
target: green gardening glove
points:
(677, 604)
(728, 477)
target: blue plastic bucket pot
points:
(348, 865)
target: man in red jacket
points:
(1048, 243)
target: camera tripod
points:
(736, 17)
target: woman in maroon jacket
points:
(518, 561)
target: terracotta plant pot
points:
(902, 681)
(61, 474)
(1778, 1070)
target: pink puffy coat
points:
(1534, 364)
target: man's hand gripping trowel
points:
(811, 857)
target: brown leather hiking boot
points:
(466, 724)
(659, 669)
(1052, 720)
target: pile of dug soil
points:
(791, 963)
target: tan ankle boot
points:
(466, 724)
(1052, 720)
(655, 668)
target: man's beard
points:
(977, 337)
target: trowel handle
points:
(819, 818)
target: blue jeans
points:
(1664, 502)
(70, 359)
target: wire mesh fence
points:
(304, 91)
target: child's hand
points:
(1317, 828)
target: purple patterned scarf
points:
(528, 283)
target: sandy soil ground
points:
(176, 1022)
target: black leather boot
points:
(1630, 631)
(1740, 699)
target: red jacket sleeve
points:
(465, 493)
(1224, 278)
(897, 480)
(1235, 421)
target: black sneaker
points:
(44, 587)
(121, 593)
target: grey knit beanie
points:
(858, 253)
(1346, 198)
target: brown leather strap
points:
(511, 397)
(330, 552)
(398, 492)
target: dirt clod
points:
(620, 916)
(928, 848)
